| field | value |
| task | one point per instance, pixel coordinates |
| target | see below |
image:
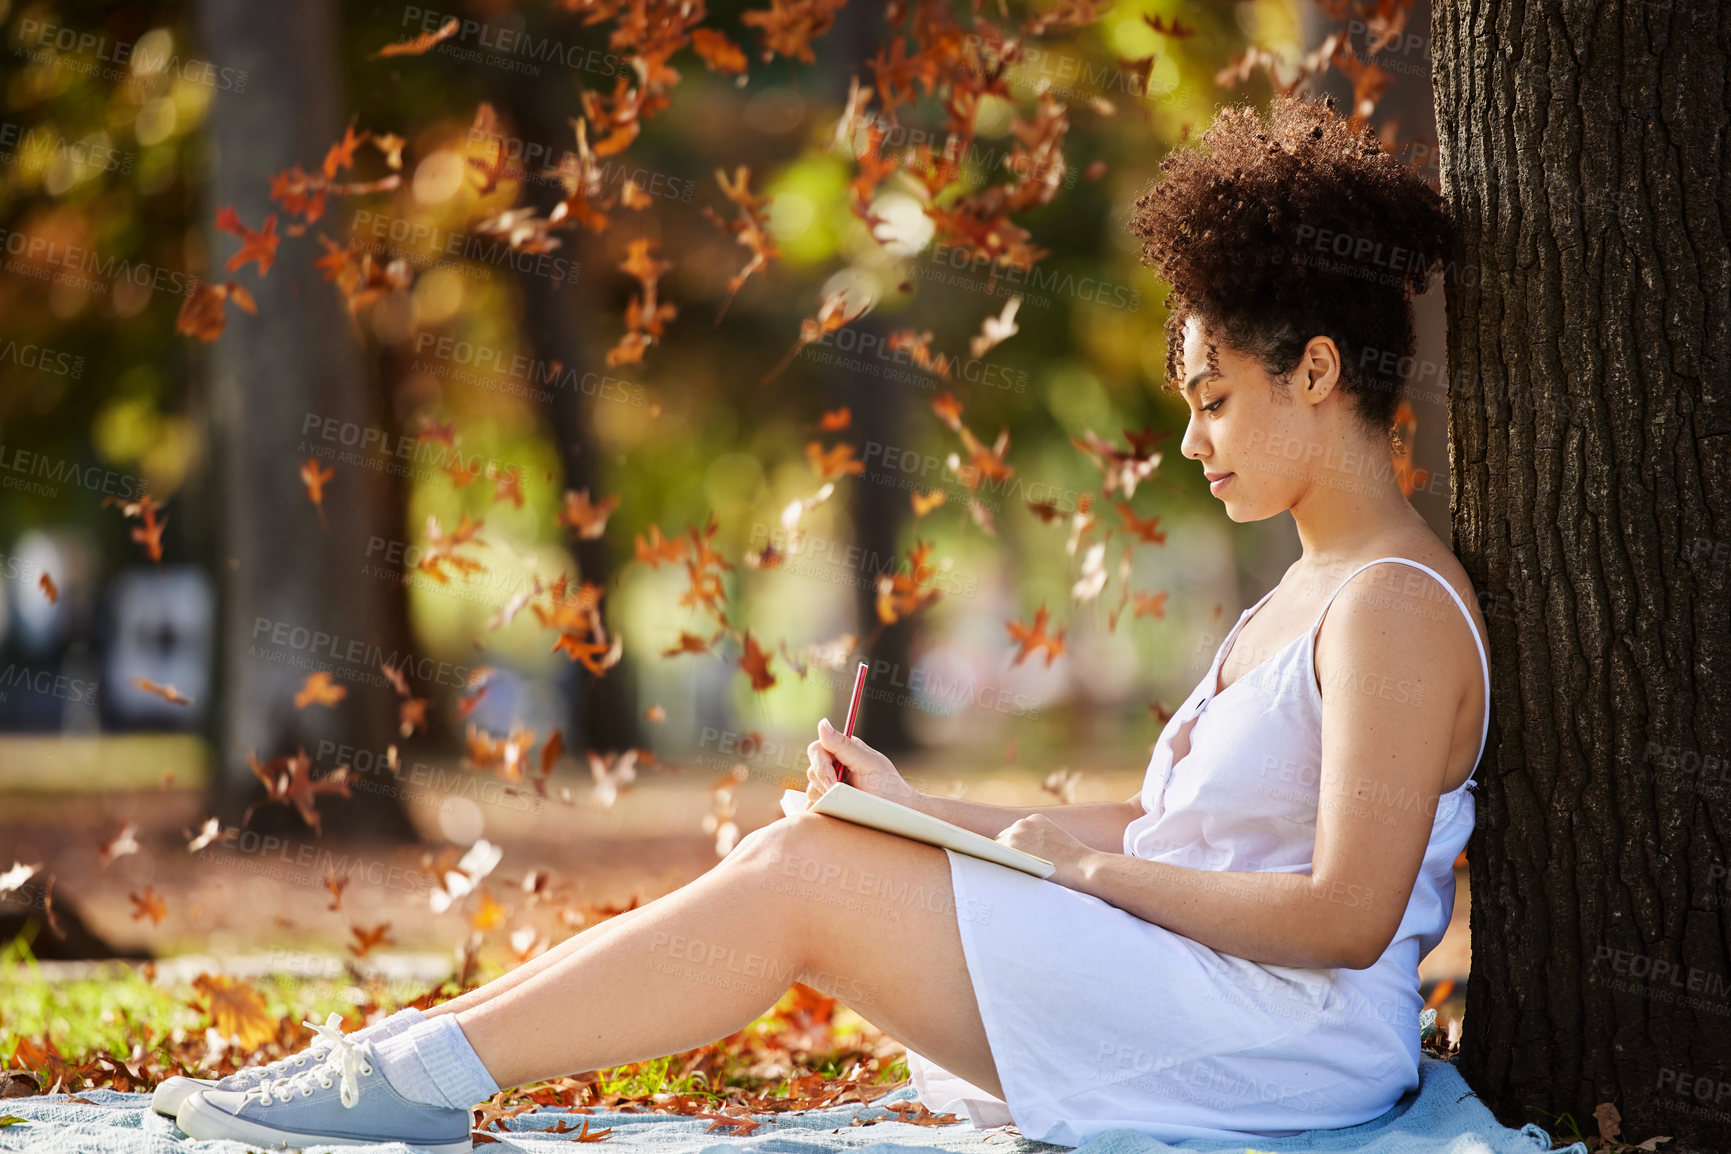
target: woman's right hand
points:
(867, 769)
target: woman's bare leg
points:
(866, 917)
(551, 956)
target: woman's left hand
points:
(1041, 836)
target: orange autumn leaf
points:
(588, 518)
(342, 154)
(367, 938)
(832, 315)
(236, 1010)
(904, 594)
(1033, 637)
(689, 643)
(755, 662)
(1147, 531)
(720, 53)
(201, 314)
(314, 478)
(508, 485)
(420, 44)
(149, 533)
(835, 420)
(552, 751)
(838, 461)
(167, 692)
(319, 689)
(655, 549)
(49, 589)
(255, 246)
(925, 502)
(490, 915)
(289, 781)
(949, 410)
(597, 656)
(148, 905)
(1150, 604)
(411, 715)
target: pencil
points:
(852, 716)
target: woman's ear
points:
(1318, 368)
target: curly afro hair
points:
(1272, 233)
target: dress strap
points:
(1484, 661)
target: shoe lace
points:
(346, 1059)
(281, 1067)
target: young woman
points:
(1231, 951)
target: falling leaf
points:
(690, 643)
(314, 479)
(420, 44)
(996, 330)
(211, 831)
(588, 519)
(1147, 531)
(490, 915)
(289, 781)
(1093, 577)
(148, 905)
(837, 461)
(236, 1010)
(550, 754)
(49, 589)
(655, 549)
(255, 246)
(1123, 469)
(335, 887)
(655, 714)
(925, 502)
(121, 844)
(1177, 30)
(369, 937)
(720, 53)
(149, 533)
(319, 689)
(901, 595)
(16, 876)
(167, 692)
(755, 662)
(835, 420)
(391, 145)
(1150, 604)
(1030, 638)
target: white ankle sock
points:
(395, 1024)
(433, 1062)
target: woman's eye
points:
(1215, 405)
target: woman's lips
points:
(1215, 486)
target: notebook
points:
(868, 809)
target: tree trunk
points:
(1584, 157)
(603, 715)
(288, 385)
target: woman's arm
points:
(1276, 919)
(1097, 825)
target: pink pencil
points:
(852, 716)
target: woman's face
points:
(1243, 434)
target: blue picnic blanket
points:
(1442, 1117)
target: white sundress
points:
(1099, 1020)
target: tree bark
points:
(293, 596)
(1584, 157)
